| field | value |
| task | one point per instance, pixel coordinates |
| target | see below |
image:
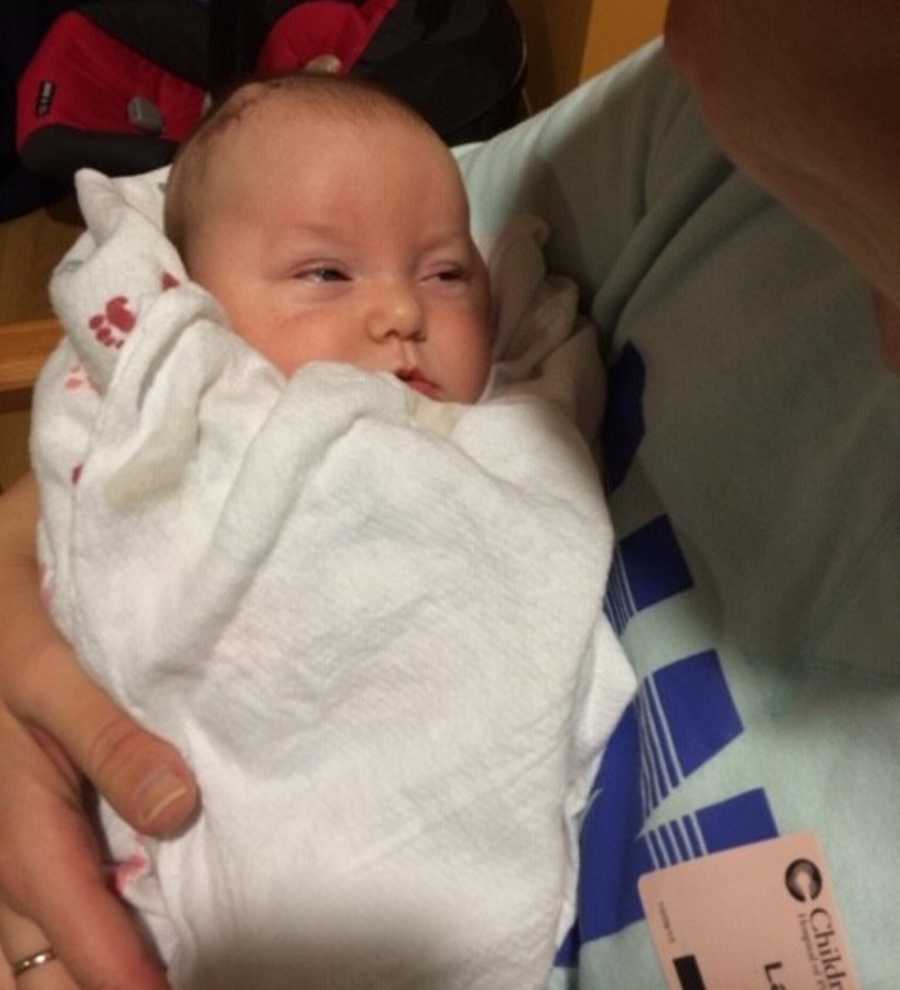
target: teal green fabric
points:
(752, 450)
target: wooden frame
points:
(24, 347)
(30, 248)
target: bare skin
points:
(802, 96)
(378, 270)
(56, 725)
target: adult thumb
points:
(143, 777)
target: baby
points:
(354, 570)
(331, 223)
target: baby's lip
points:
(414, 379)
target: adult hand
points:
(55, 724)
(802, 95)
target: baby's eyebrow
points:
(454, 237)
(318, 228)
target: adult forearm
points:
(31, 633)
(54, 722)
(18, 519)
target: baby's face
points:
(329, 240)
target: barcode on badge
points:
(688, 971)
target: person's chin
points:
(888, 313)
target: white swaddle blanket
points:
(372, 623)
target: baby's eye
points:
(322, 274)
(455, 273)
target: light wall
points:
(555, 33)
(618, 27)
(571, 40)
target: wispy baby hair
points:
(342, 97)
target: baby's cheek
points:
(475, 365)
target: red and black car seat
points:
(118, 84)
(22, 26)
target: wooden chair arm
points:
(24, 347)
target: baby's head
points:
(331, 223)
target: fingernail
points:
(161, 789)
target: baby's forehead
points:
(253, 104)
(265, 127)
(335, 100)
(282, 124)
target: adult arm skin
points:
(803, 97)
(56, 725)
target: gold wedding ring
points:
(28, 963)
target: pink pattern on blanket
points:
(128, 871)
(47, 585)
(113, 325)
(77, 379)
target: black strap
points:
(228, 48)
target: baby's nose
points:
(396, 311)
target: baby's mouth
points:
(414, 379)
